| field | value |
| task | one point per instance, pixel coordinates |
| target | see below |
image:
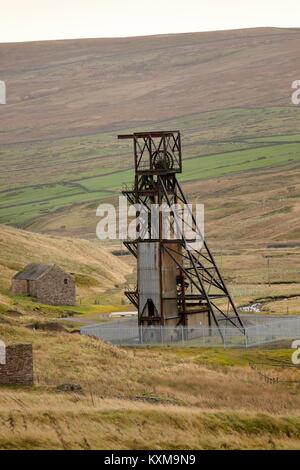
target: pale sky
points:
(30, 20)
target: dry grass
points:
(71, 423)
(95, 269)
(151, 398)
(146, 398)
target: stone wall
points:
(56, 287)
(19, 286)
(32, 288)
(18, 369)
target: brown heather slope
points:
(76, 87)
(226, 91)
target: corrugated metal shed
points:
(148, 274)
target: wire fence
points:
(129, 334)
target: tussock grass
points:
(111, 424)
(95, 269)
(145, 398)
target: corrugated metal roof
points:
(148, 274)
(32, 271)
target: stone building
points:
(47, 283)
(17, 369)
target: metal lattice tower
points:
(176, 285)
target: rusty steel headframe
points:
(201, 288)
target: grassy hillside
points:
(67, 100)
(82, 172)
(78, 87)
(241, 143)
(230, 95)
(148, 399)
(96, 271)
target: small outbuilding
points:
(47, 283)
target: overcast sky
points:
(28, 20)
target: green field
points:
(45, 177)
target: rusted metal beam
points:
(198, 281)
